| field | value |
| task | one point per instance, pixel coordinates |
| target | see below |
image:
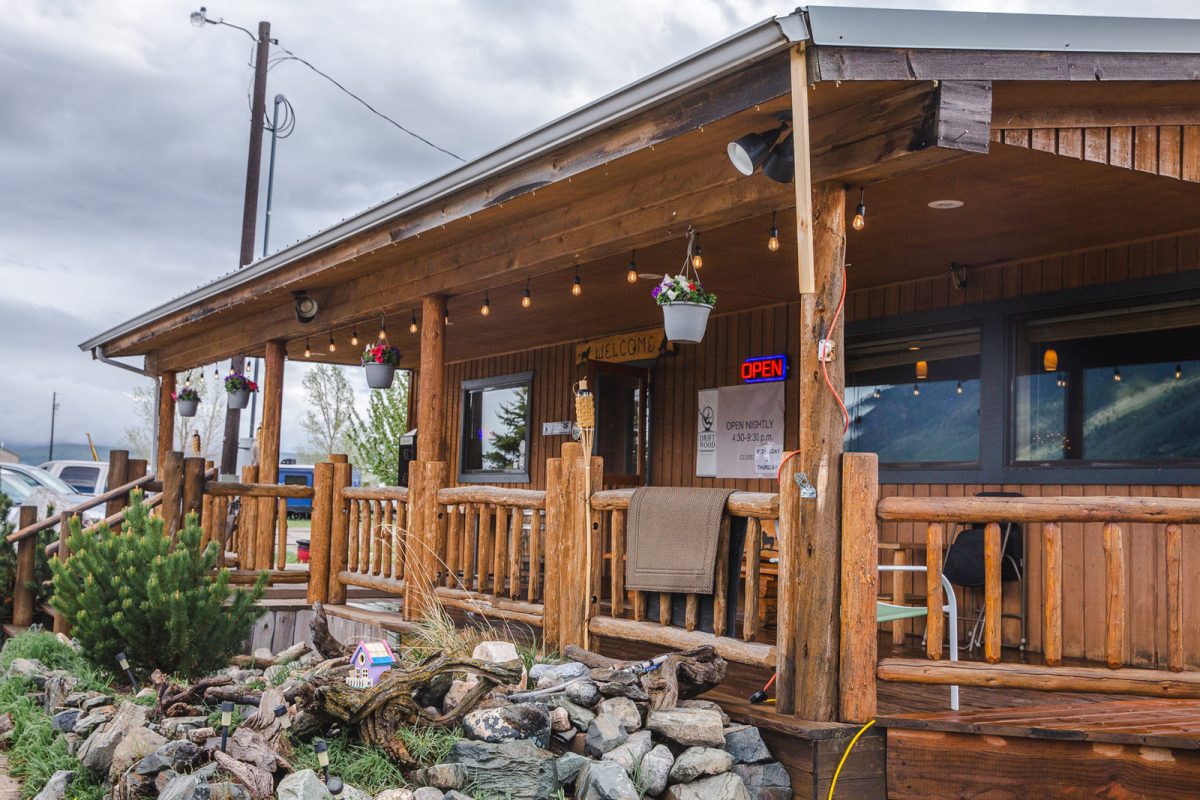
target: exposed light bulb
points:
(577, 286)
(332, 344)
(876, 394)
(382, 329)
(697, 254)
(958, 388)
(631, 276)
(307, 349)
(773, 240)
(412, 326)
(486, 308)
(526, 299)
(916, 390)
(860, 212)
(1117, 375)
(1178, 371)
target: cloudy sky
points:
(123, 143)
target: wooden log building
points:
(990, 217)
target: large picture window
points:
(914, 400)
(496, 423)
(1112, 386)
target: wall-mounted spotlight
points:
(780, 166)
(749, 152)
(306, 307)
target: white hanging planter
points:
(239, 398)
(380, 376)
(685, 322)
(187, 408)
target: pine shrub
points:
(162, 603)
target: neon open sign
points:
(764, 369)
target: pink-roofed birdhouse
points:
(368, 663)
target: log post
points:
(24, 588)
(137, 469)
(319, 535)
(268, 445)
(171, 475)
(575, 536)
(1175, 657)
(339, 533)
(806, 255)
(1114, 607)
(860, 586)
(166, 420)
(246, 542)
(425, 517)
(1052, 593)
(551, 602)
(810, 526)
(992, 595)
(118, 475)
(64, 552)
(193, 486)
(431, 405)
(934, 535)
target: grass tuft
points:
(365, 768)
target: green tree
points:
(376, 440)
(163, 603)
(508, 440)
(330, 409)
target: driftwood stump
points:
(377, 713)
(682, 676)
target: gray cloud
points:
(123, 136)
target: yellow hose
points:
(845, 755)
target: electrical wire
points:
(293, 57)
(824, 362)
(845, 755)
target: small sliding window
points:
(496, 424)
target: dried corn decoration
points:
(585, 420)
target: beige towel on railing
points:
(671, 539)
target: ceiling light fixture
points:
(1050, 360)
(860, 213)
(305, 306)
(922, 370)
(942, 205)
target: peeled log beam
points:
(1143, 682)
(378, 712)
(752, 653)
(1183, 511)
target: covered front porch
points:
(952, 211)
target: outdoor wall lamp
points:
(750, 151)
(306, 307)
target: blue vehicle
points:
(297, 475)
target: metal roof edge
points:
(742, 48)
(845, 26)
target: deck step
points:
(388, 620)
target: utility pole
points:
(258, 109)
(53, 413)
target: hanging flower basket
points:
(685, 302)
(186, 400)
(239, 387)
(380, 362)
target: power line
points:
(293, 57)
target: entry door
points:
(621, 414)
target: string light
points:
(697, 254)
(876, 394)
(773, 241)
(412, 326)
(916, 390)
(307, 349)
(958, 388)
(354, 337)
(446, 315)
(332, 344)
(1117, 375)
(631, 276)
(1178, 371)
(382, 328)
(577, 285)
(486, 308)
(860, 213)
(526, 299)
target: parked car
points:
(85, 477)
(46, 490)
(18, 494)
(297, 475)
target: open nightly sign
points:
(764, 369)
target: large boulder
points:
(302, 785)
(29, 668)
(746, 745)
(700, 762)
(629, 755)
(505, 723)
(604, 734)
(441, 776)
(568, 766)
(179, 755)
(624, 710)
(97, 752)
(136, 745)
(768, 781)
(65, 720)
(688, 727)
(655, 770)
(604, 780)
(193, 786)
(59, 686)
(726, 786)
(517, 769)
(56, 787)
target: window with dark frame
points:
(1113, 386)
(914, 400)
(496, 423)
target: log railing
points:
(374, 553)
(1044, 517)
(628, 618)
(489, 552)
(256, 537)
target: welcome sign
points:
(634, 346)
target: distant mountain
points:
(63, 451)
